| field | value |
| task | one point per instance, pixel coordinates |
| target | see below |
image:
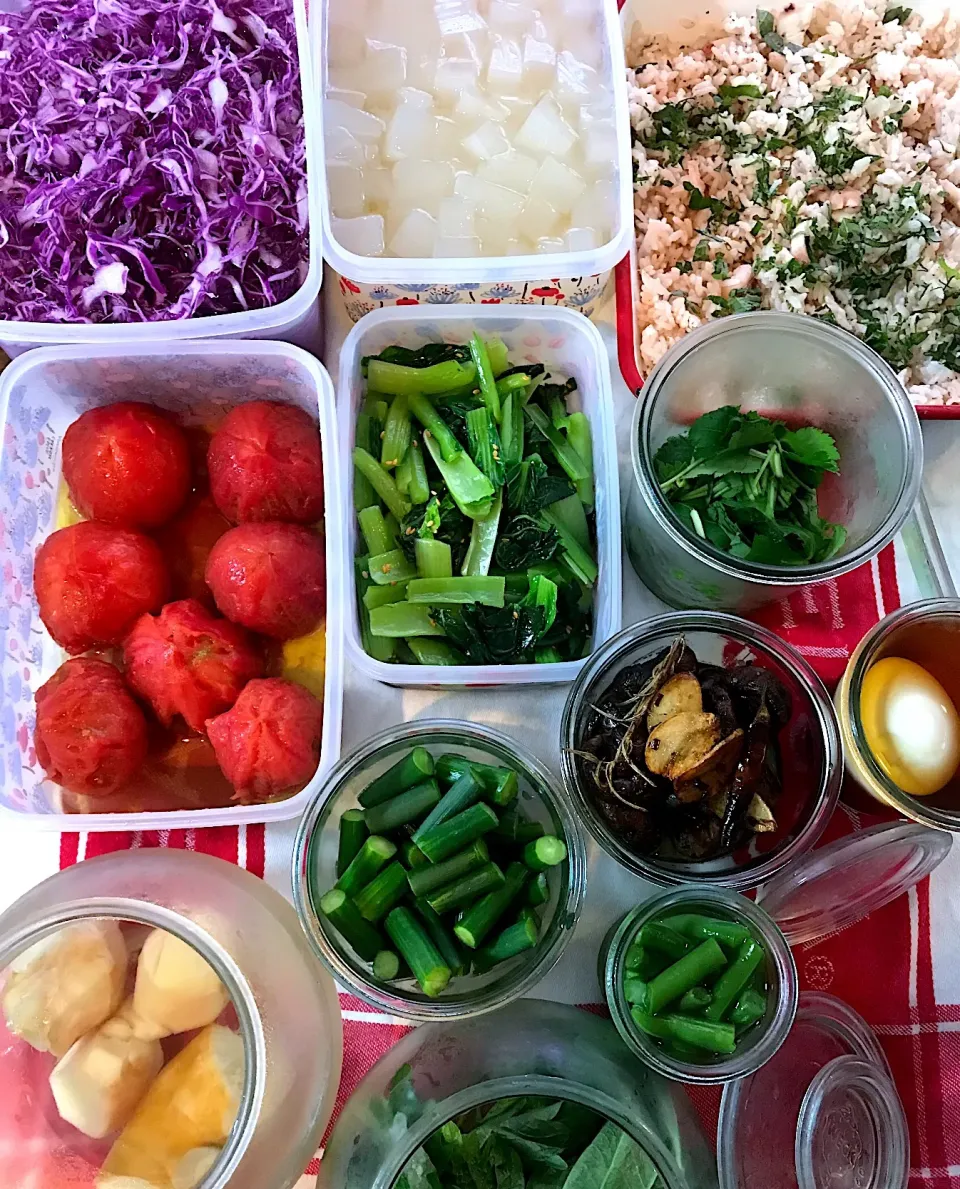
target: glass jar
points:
(757, 1045)
(941, 618)
(810, 746)
(315, 856)
(281, 1001)
(531, 1047)
(795, 369)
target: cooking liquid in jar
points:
(181, 770)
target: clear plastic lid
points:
(845, 881)
(823, 1113)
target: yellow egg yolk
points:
(910, 725)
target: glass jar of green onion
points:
(439, 871)
(701, 984)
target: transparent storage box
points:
(40, 395)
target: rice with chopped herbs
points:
(806, 163)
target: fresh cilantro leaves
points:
(740, 301)
(766, 27)
(897, 12)
(748, 485)
(703, 202)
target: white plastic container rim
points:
(232, 815)
(371, 270)
(458, 323)
(276, 320)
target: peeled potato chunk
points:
(193, 1167)
(100, 1079)
(678, 745)
(191, 1104)
(65, 985)
(680, 695)
(177, 989)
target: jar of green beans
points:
(701, 984)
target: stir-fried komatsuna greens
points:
(474, 494)
(682, 757)
(748, 485)
(527, 1143)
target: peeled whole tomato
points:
(126, 464)
(271, 578)
(264, 464)
(186, 542)
(269, 743)
(91, 736)
(189, 662)
(92, 581)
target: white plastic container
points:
(296, 320)
(568, 345)
(40, 395)
(371, 279)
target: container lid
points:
(823, 1113)
(839, 884)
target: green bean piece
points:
(481, 917)
(538, 890)
(374, 529)
(458, 832)
(345, 917)
(544, 853)
(688, 972)
(434, 560)
(634, 989)
(750, 1007)
(397, 432)
(695, 1000)
(655, 935)
(517, 830)
(466, 889)
(430, 651)
(449, 948)
(426, 879)
(386, 966)
(405, 807)
(459, 796)
(402, 620)
(500, 785)
(513, 940)
(372, 856)
(643, 962)
(383, 892)
(413, 769)
(737, 975)
(688, 1030)
(353, 833)
(391, 567)
(702, 928)
(381, 482)
(580, 438)
(488, 387)
(413, 857)
(419, 952)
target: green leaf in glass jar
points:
(812, 447)
(708, 433)
(612, 1161)
(674, 456)
(419, 1173)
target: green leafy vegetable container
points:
(758, 1043)
(812, 759)
(532, 1047)
(801, 371)
(570, 346)
(540, 797)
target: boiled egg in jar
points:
(910, 725)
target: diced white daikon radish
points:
(505, 68)
(457, 246)
(539, 62)
(447, 139)
(365, 127)
(548, 244)
(514, 170)
(582, 39)
(488, 141)
(384, 69)
(509, 16)
(581, 239)
(419, 183)
(517, 247)
(340, 145)
(457, 16)
(557, 184)
(492, 201)
(576, 81)
(416, 235)
(346, 46)
(545, 131)
(350, 15)
(538, 218)
(454, 75)
(377, 189)
(409, 23)
(410, 133)
(471, 46)
(345, 183)
(364, 236)
(455, 219)
(596, 207)
(601, 149)
(595, 115)
(354, 98)
(414, 97)
(474, 106)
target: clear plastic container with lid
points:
(161, 1019)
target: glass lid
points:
(823, 1113)
(840, 883)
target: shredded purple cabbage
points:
(152, 160)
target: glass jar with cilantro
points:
(770, 451)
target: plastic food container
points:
(282, 1003)
(810, 746)
(314, 870)
(531, 1047)
(823, 1111)
(296, 320)
(569, 346)
(788, 367)
(760, 1043)
(40, 395)
(941, 615)
(571, 278)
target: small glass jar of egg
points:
(899, 708)
(163, 1025)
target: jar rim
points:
(566, 911)
(756, 573)
(781, 961)
(120, 908)
(611, 655)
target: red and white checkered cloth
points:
(898, 968)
